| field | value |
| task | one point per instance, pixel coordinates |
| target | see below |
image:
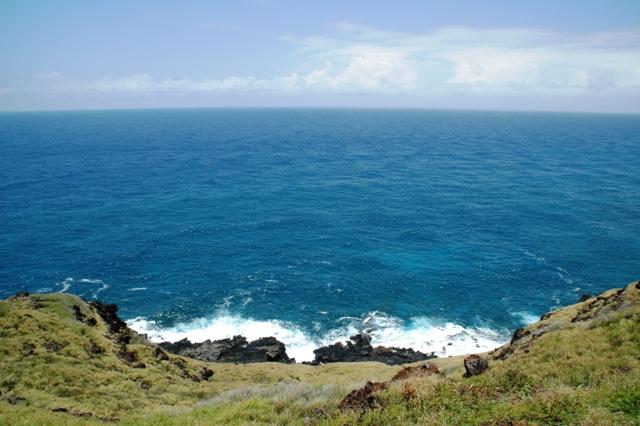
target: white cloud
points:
(494, 67)
(357, 59)
(372, 72)
(497, 61)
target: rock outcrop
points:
(588, 309)
(366, 397)
(236, 349)
(359, 348)
(109, 314)
(410, 372)
(363, 398)
(474, 365)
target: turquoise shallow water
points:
(422, 227)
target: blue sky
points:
(520, 55)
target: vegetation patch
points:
(64, 361)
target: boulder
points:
(206, 373)
(424, 370)
(519, 334)
(159, 354)
(236, 349)
(474, 365)
(359, 348)
(363, 398)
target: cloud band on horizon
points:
(360, 60)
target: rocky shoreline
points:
(239, 350)
(235, 349)
(359, 349)
(269, 349)
(103, 361)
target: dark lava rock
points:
(52, 346)
(546, 315)
(78, 313)
(118, 329)
(80, 316)
(126, 355)
(359, 349)
(94, 349)
(601, 306)
(75, 413)
(26, 297)
(236, 349)
(160, 354)
(206, 373)
(129, 357)
(108, 312)
(28, 349)
(15, 399)
(363, 398)
(585, 297)
(474, 365)
(503, 352)
(519, 334)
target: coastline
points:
(421, 334)
(85, 359)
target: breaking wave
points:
(420, 333)
(67, 283)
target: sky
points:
(559, 55)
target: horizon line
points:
(303, 107)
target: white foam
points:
(68, 282)
(137, 289)
(222, 326)
(525, 318)
(564, 276)
(540, 259)
(562, 273)
(421, 333)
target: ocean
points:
(438, 230)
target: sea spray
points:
(421, 334)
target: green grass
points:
(582, 373)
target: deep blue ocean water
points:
(422, 227)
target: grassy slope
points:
(563, 372)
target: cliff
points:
(65, 361)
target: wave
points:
(68, 282)
(560, 272)
(525, 318)
(420, 333)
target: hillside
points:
(64, 361)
